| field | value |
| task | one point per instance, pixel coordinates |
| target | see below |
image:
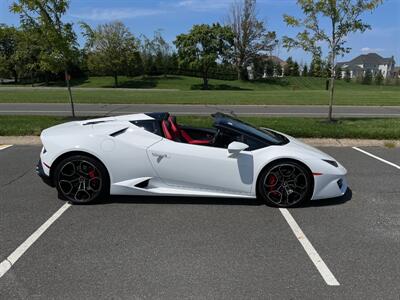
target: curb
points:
(317, 142)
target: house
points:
(371, 61)
(275, 59)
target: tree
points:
(295, 70)
(203, 46)
(59, 46)
(379, 78)
(304, 72)
(347, 76)
(251, 37)
(111, 49)
(338, 72)
(343, 17)
(288, 67)
(8, 48)
(367, 78)
(156, 54)
(316, 66)
(269, 67)
(278, 69)
(311, 69)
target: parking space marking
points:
(310, 250)
(13, 257)
(377, 157)
(2, 147)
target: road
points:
(175, 248)
(244, 110)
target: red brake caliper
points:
(271, 182)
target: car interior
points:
(167, 126)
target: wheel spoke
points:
(285, 184)
(80, 181)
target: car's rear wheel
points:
(285, 183)
(81, 179)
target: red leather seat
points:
(165, 129)
(180, 133)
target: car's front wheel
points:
(81, 179)
(285, 183)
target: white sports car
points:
(150, 154)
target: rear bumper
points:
(46, 179)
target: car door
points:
(203, 167)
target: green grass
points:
(186, 83)
(299, 127)
(293, 90)
(281, 97)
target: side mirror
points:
(237, 147)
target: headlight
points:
(331, 162)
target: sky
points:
(177, 16)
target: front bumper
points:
(46, 179)
(329, 186)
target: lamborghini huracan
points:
(152, 154)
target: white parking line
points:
(377, 157)
(2, 147)
(310, 250)
(13, 257)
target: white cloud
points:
(370, 50)
(116, 14)
(203, 5)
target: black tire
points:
(285, 183)
(81, 179)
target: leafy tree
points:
(259, 65)
(316, 66)
(327, 69)
(8, 47)
(251, 37)
(156, 54)
(288, 67)
(367, 78)
(278, 70)
(269, 67)
(304, 73)
(311, 69)
(338, 72)
(347, 76)
(343, 17)
(203, 46)
(295, 70)
(59, 46)
(379, 78)
(111, 49)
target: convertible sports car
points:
(151, 154)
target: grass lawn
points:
(297, 127)
(295, 90)
(278, 97)
(186, 83)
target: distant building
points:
(371, 61)
(276, 60)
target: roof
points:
(370, 59)
(275, 59)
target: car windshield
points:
(264, 134)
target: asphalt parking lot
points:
(174, 248)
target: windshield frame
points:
(264, 135)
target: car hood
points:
(295, 144)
